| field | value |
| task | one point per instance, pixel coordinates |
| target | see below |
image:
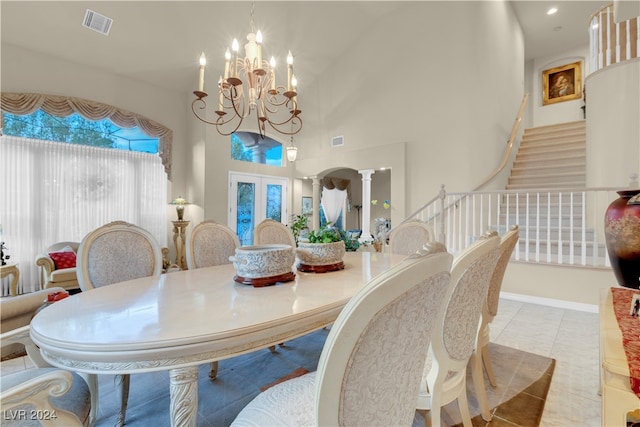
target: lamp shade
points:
(292, 153)
(180, 203)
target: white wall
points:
(561, 112)
(613, 125)
(34, 72)
(445, 79)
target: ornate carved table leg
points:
(184, 396)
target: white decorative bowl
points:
(320, 257)
(263, 265)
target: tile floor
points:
(571, 337)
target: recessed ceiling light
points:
(552, 10)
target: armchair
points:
(46, 395)
(52, 274)
(17, 312)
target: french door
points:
(253, 198)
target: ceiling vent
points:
(337, 141)
(96, 22)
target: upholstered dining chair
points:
(44, 391)
(365, 374)
(480, 355)
(113, 253)
(210, 243)
(454, 337)
(409, 237)
(271, 231)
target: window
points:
(250, 147)
(65, 176)
(75, 129)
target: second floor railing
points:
(612, 42)
(557, 226)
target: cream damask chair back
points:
(210, 243)
(489, 311)
(117, 252)
(366, 376)
(409, 237)
(453, 340)
(271, 231)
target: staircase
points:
(551, 157)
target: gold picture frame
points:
(563, 83)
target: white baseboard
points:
(578, 306)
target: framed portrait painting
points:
(563, 83)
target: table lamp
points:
(180, 203)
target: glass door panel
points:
(253, 198)
(245, 212)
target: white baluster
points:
(628, 43)
(600, 45)
(608, 36)
(638, 37)
(617, 42)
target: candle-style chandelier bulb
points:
(249, 85)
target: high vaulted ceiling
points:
(160, 41)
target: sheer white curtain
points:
(332, 203)
(54, 192)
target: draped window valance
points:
(62, 106)
(339, 183)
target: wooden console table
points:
(617, 397)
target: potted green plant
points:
(322, 252)
(299, 226)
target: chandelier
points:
(248, 86)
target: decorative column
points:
(317, 193)
(366, 205)
(183, 386)
(179, 240)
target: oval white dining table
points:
(180, 320)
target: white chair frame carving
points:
(454, 339)
(489, 311)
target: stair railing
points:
(510, 143)
(507, 155)
(611, 42)
(557, 226)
